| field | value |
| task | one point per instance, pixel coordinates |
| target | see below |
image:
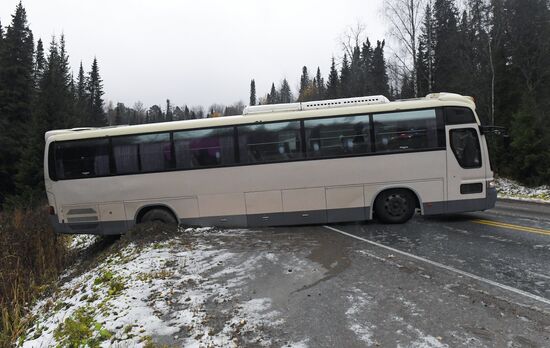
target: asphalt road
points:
(464, 280)
(509, 244)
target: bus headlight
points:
(491, 184)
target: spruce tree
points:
(186, 113)
(95, 92)
(16, 94)
(252, 92)
(39, 63)
(320, 85)
(345, 83)
(304, 85)
(169, 113)
(53, 109)
(272, 96)
(379, 74)
(446, 60)
(426, 53)
(285, 95)
(355, 79)
(366, 67)
(528, 32)
(333, 83)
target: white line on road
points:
(448, 268)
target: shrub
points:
(31, 256)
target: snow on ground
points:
(158, 293)
(81, 241)
(507, 188)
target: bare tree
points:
(405, 19)
(352, 37)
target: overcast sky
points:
(198, 52)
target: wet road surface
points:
(467, 280)
(350, 293)
(509, 244)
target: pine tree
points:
(366, 67)
(39, 63)
(333, 84)
(285, 95)
(186, 113)
(446, 60)
(426, 53)
(53, 109)
(355, 79)
(304, 85)
(273, 96)
(379, 74)
(169, 113)
(16, 94)
(252, 92)
(529, 54)
(344, 90)
(95, 92)
(320, 85)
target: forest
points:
(497, 51)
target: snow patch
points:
(163, 292)
(507, 188)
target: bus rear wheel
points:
(395, 206)
(160, 216)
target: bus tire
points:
(159, 215)
(395, 206)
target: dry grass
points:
(31, 256)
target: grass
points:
(81, 330)
(31, 257)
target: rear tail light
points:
(51, 210)
(491, 184)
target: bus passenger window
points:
(82, 159)
(405, 131)
(465, 146)
(142, 153)
(204, 148)
(337, 136)
(270, 142)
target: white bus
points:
(288, 164)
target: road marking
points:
(512, 227)
(448, 268)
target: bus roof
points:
(275, 112)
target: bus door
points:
(465, 168)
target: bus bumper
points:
(462, 205)
(491, 198)
(98, 228)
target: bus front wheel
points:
(159, 215)
(395, 206)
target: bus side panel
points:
(345, 203)
(304, 206)
(225, 210)
(264, 208)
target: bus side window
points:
(465, 146)
(270, 142)
(204, 148)
(337, 136)
(142, 153)
(82, 159)
(405, 131)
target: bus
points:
(317, 162)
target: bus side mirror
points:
(496, 130)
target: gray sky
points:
(198, 52)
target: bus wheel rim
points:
(396, 205)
